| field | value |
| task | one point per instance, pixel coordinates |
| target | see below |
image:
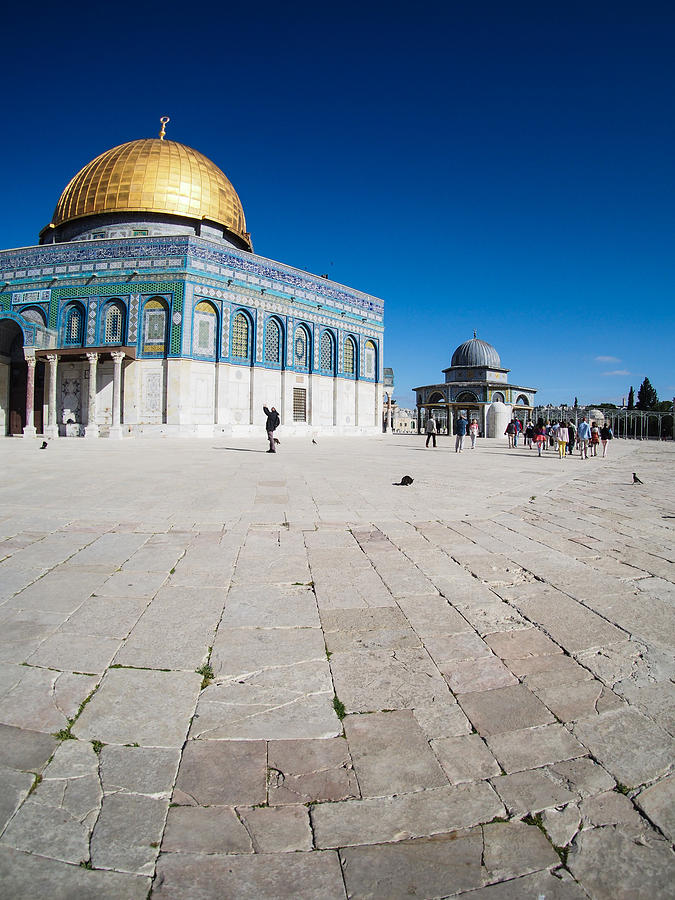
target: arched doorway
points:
(14, 380)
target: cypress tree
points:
(631, 398)
(647, 397)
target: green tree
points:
(576, 403)
(647, 397)
(631, 398)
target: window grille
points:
(349, 357)
(370, 359)
(74, 327)
(301, 348)
(327, 351)
(205, 329)
(154, 322)
(299, 405)
(113, 325)
(272, 341)
(240, 339)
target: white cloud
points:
(617, 372)
(607, 359)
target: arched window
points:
(241, 336)
(370, 359)
(154, 327)
(113, 323)
(349, 365)
(36, 316)
(273, 345)
(466, 397)
(327, 360)
(522, 400)
(301, 348)
(436, 398)
(204, 330)
(497, 397)
(73, 330)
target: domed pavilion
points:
(143, 310)
(473, 382)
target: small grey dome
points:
(476, 353)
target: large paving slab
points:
(308, 683)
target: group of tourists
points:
(462, 428)
(561, 436)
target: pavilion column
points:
(52, 429)
(91, 428)
(389, 413)
(116, 428)
(29, 430)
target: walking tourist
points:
(540, 436)
(563, 438)
(474, 431)
(517, 428)
(583, 437)
(271, 426)
(431, 430)
(461, 431)
(595, 438)
(605, 436)
(510, 432)
(571, 430)
(529, 434)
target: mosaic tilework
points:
(225, 332)
(181, 248)
(132, 332)
(188, 305)
(259, 336)
(5, 301)
(91, 321)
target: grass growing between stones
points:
(339, 707)
(207, 674)
(98, 746)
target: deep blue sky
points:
(507, 167)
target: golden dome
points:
(157, 176)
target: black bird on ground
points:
(44, 445)
(314, 442)
(405, 481)
(636, 480)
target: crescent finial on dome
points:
(165, 121)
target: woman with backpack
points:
(605, 435)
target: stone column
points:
(116, 428)
(389, 413)
(91, 428)
(29, 429)
(52, 429)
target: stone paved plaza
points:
(230, 676)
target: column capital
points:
(118, 355)
(52, 357)
(31, 360)
(92, 357)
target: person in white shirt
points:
(563, 438)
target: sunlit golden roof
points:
(157, 176)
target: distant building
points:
(475, 383)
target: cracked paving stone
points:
(434, 811)
(612, 808)
(278, 829)
(195, 829)
(484, 674)
(123, 710)
(658, 803)
(531, 792)
(391, 754)
(24, 875)
(538, 886)
(562, 824)
(373, 680)
(304, 771)
(514, 848)
(441, 720)
(465, 758)
(140, 770)
(127, 834)
(14, 788)
(25, 750)
(303, 876)
(579, 700)
(222, 773)
(631, 869)
(424, 867)
(504, 709)
(42, 700)
(630, 746)
(358, 629)
(530, 748)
